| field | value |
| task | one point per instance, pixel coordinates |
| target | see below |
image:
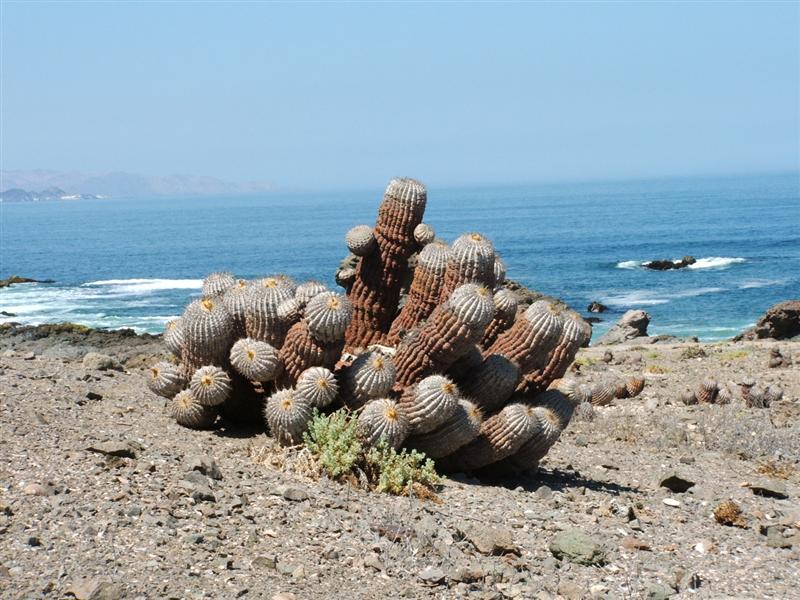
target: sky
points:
(350, 94)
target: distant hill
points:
(120, 184)
(46, 195)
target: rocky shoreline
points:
(105, 497)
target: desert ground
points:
(103, 496)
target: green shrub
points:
(398, 472)
(333, 439)
(693, 352)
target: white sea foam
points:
(709, 262)
(759, 283)
(635, 298)
(141, 286)
(716, 262)
(629, 264)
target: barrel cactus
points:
(430, 347)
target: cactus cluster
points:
(427, 346)
(751, 394)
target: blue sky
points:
(346, 95)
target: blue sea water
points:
(137, 262)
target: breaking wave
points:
(635, 298)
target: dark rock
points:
(93, 396)
(577, 547)
(34, 541)
(632, 325)
(295, 494)
(490, 541)
(112, 448)
(666, 265)
(17, 279)
(596, 307)
(770, 489)
(593, 319)
(780, 322)
(675, 483)
(205, 465)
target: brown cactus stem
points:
(301, 351)
(423, 296)
(505, 303)
(375, 292)
(575, 333)
(449, 333)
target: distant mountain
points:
(122, 184)
(51, 193)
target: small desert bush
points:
(656, 369)
(333, 442)
(693, 352)
(734, 355)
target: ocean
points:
(137, 262)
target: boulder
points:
(94, 361)
(780, 322)
(596, 307)
(632, 325)
(666, 265)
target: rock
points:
(490, 541)
(196, 484)
(632, 325)
(675, 483)
(17, 279)
(659, 591)
(652, 403)
(432, 575)
(114, 448)
(94, 361)
(34, 541)
(570, 590)
(284, 596)
(295, 494)
(373, 561)
(671, 502)
(775, 537)
(466, 574)
(770, 489)
(543, 493)
(666, 265)
(35, 489)
(205, 465)
(631, 543)
(94, 589)
(596, 307)
(780, 322)
(265, 562)
(577, 547)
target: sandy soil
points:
(103, 496)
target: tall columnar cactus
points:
(529, 341)
(460, 372)
(426, 288)
(471, 260)
(449, 333)
(505, 312)
(375, 292)
(575, 333)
